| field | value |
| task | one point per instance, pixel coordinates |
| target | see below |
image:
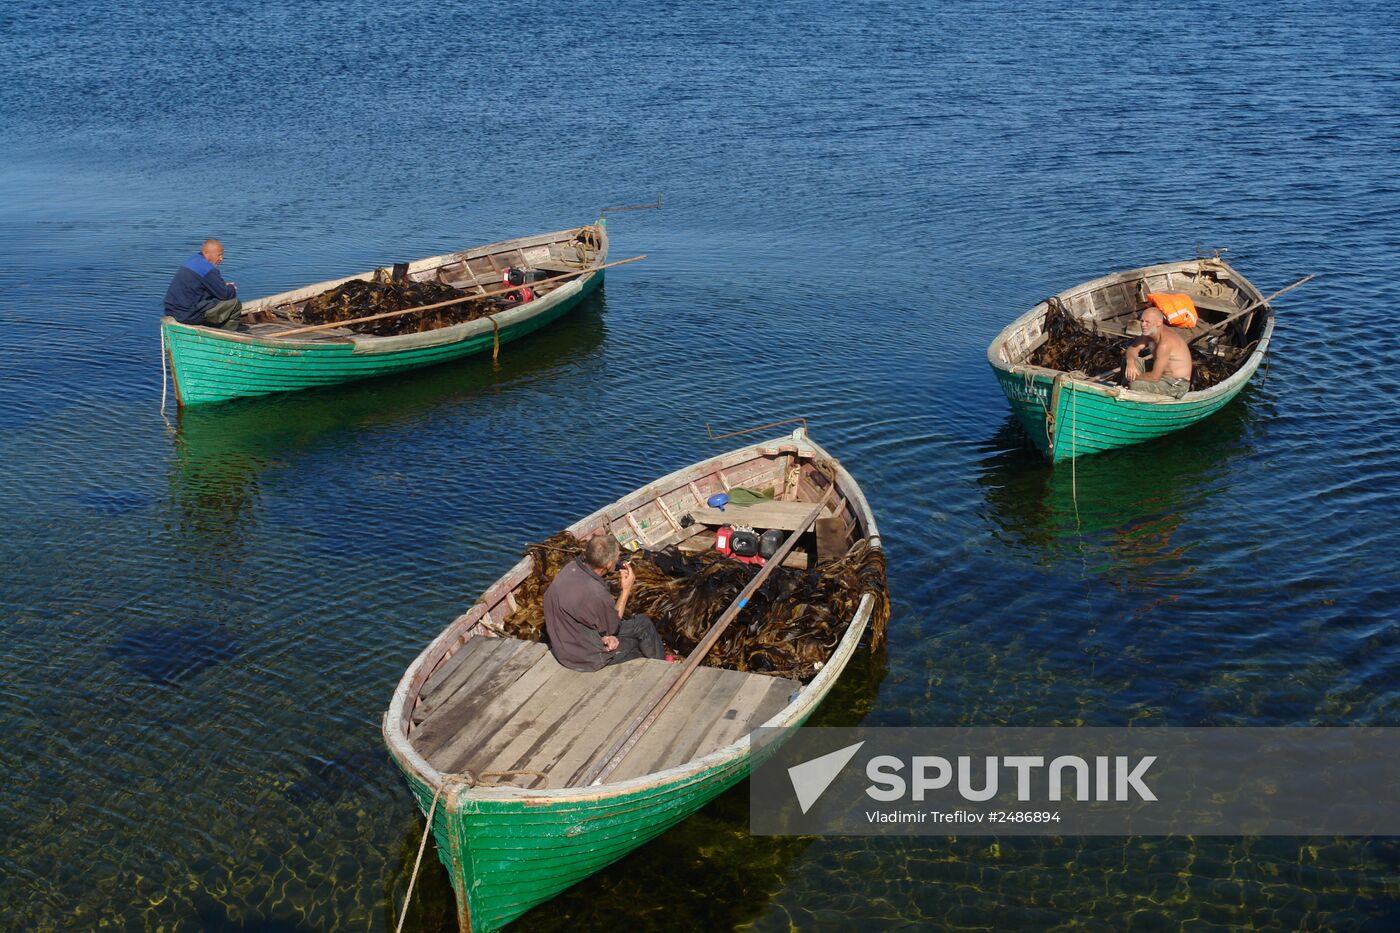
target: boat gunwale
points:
(796, 711)
(368, 343)
(1227, 386)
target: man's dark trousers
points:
(637, 638)
(223, 314)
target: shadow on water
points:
(108, 502)
(1120, 510)
(331, 776)
(213, 916)
(173, 654)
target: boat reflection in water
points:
(1119, 513)
(222, 451)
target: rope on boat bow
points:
(164, 378)
(468, 779)
(1074, 451)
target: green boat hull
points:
(1072, 419)
(210, 365)
(1068, 415)
(509, 848)
(506, 856)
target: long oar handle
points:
(1243, 311)
(629, 737)
(455, 301)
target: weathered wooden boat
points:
(500, 743)
(212, 365)
(1068, 415)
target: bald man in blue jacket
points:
(199, 295)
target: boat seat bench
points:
(779, 514)
(505, 710)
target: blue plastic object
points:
(718, 501)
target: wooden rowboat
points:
(1068, 415)
(499, 743)
(212, 365)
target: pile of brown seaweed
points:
(1073, 347)
(359, 298)
(789, 627)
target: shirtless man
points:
(1171, 359)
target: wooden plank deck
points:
(506, 710)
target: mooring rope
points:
(423, 844)
(1074, 450)
(164, 378)
(470, 780)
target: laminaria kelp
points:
(789, 627)
(359, 298)
(1070, 346)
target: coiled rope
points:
(587, 244)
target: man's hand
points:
(610, 643)
(1131, 371)
(628, 577)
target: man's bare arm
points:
(629, 577)
(1132, 367)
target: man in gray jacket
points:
(587, 628)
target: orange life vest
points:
(1177, 309)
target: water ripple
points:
(204, 621)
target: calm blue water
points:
(203, 624)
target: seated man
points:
(586, 626)
(199, 295)
(1171, 359)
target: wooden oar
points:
(1243, 311)
(455, 301)
(628, 738)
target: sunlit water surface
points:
(204, 623)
